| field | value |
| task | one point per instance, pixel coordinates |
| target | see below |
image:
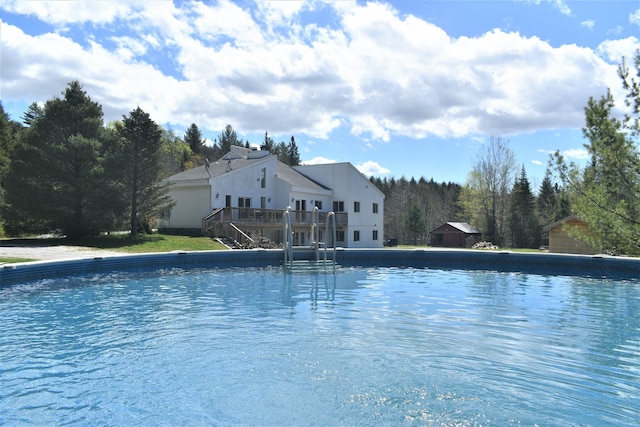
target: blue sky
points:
(403, 88)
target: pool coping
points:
(599, 266)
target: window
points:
(263, 178)
(318, 204)
(338, 206)
(356, 206)
(356, 235)
(375, 208)
(375, 235)
(340, 235)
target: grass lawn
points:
(124, 243)
(13, 260)
(150, 243)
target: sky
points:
(405, 88)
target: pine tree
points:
(193, 137)
(606, 193)
(293, 156)
(268, 144)
(142, 146)
(227, 138)
(57, 180)
(415, 223)
(524, 226)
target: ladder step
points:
(310, 266)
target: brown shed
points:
(455, 235)
(561, 242)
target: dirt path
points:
(52, 252)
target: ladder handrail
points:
(331, 215)
(315, 232)
(287, 238)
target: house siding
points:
(561, 242)
(192, 203)
(349, 186)
(246, 183)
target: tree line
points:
(63, 170)
(506, 211)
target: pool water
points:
(366, 346)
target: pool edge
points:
(538, 263)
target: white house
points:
(244, 196)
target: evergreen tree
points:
(606, 193)
(415, 223)
(142, 146)
(227, 138)
(524, 226)
(293, 156)
(9, 132)
(280, 150)
(552, 203)
(57, 179)
(547, 201)
(193, 137)
(32, 113)
(268, 144)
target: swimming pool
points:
(370, 345)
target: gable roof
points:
(240, 157)
(462, 226)
(220, 167)
(561, 221)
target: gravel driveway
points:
(51, 252)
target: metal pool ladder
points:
(287, 242)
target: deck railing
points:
(255, 216)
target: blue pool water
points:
(366, 346)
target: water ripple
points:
(363, 347)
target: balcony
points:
(266, 217)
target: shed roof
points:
(561, 221)
(462, 226)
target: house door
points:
(301, 205)
(244, 202)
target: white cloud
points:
(319, 161)
(634, 18)
(537, 162)
(72, 12)
(129, 48)
(370, 168)
(558, 4)
(366, 71)
(614, 50)
(588, 24)
(576, 154)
